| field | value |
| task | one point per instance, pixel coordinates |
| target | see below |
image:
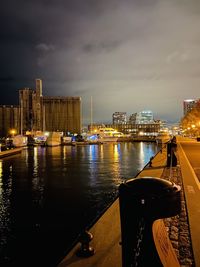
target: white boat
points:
(19, 140)
(66, 140)
(107, 134)
(54, 139)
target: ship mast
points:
(91, 115)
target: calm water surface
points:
(48, 195)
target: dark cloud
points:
(142, 51)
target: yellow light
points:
(13, 131)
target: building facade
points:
(119, 118)
(9, 120)
(145, 116)
(188, 105)
(26, 109)
(150, 129)
(62, 114)
(37, 98)
(146, 129)
(41, 113)
(132, 118)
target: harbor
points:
(50, 194)
(105, 231)
(100, 134)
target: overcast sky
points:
(129, 55)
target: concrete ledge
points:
(10, 152)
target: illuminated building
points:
(145, 116)
(135, 129)
(119, 118)
(188, 105)
(132, 118)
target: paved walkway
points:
(106, 232)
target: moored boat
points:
(19, 140)
(107, 134)
(54, 139)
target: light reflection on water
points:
(48, 195)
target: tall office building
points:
(188, 105)
(145, 116)
(132, 118)
(119, 118)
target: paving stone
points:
(177, 226)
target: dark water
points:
(48, 195)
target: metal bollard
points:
(85, 249)
(142, 201)
(171, 157)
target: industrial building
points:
(41, 113)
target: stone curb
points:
(178, 226)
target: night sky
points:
(129, 55)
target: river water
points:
(48, 195)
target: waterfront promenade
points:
(183, 229)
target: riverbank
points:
(106, 231)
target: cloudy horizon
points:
(128, 55)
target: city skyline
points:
(128, 55)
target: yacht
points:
(107, 134)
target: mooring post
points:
(142, 201)
(85, 249)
